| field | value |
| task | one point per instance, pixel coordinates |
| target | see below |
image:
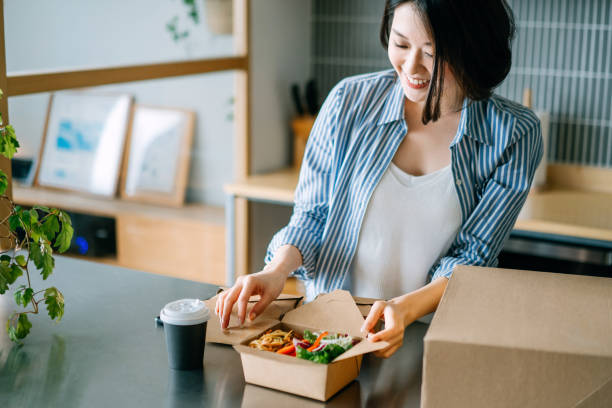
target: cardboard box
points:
(335, 312)
(510, 338)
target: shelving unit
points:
(187, 242)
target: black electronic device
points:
(93, 235)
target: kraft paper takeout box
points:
(511, 338)
(335, 312)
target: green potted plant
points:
(34, 234)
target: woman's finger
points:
(260, 306)
(243, 299)
(387, 334)
(219, 305)
(228, 305)
(394, 343)
(375, 313)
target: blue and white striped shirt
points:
(494, 155)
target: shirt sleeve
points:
(311, 205)
(485, 231)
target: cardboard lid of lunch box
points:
(236, 333)
(526, 310)
(335, 312)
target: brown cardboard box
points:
(335, 312)
(510, 338)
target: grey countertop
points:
(107, 351)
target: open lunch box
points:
(335, 312)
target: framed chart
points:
(83, 142)
(158, 155)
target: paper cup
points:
(185, 330)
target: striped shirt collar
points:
(393, 111)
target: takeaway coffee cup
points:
(185, 329)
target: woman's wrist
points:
(421, 302)
(286, 259)
(407, 309)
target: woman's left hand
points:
(396, 319)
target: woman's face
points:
(411, 52)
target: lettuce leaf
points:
(310, 336)
(323, 356)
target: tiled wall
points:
(562, 51)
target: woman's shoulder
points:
(500, 108)
(366, 97)
(367, 83)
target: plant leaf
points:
(15, 272)
(55, 303)
(14, 223)
(36, 254)
(8, 275)
(4, 278)
(21, 260)
(21, 328)
(33, 216)
(50, 227)
(23, 295)
(64, 218)
(8, 142)
(3, 182)
(41, 254)
(48, 261)
(64, 238)
(5, 258)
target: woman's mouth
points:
(417, 83)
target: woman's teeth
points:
(417, 81)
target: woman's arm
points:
(400, 312)
(488, 226)
(307, 222)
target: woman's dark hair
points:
(474, 37)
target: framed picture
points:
(83, 142)
(158, 155)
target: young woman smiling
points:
(407, 172)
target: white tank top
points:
(410, 223)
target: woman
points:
(408, 172)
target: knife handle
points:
(295, 95)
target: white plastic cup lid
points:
(185, 312)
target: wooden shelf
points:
(277, 186)
(112, 207)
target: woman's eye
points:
(428, 55)
(401, 46)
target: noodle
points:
(273, 340)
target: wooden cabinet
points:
(182, 248)
(187, 242)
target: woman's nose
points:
(412, 64)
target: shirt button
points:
(459, 182)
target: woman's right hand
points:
(268, 284)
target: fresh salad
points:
(318, 347)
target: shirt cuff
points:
(304, 241)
